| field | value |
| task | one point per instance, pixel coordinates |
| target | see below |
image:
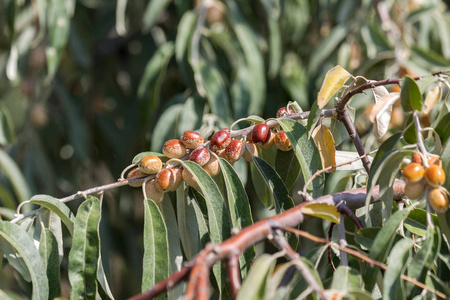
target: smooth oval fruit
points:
(200, 156)
(413, 172)
(136, 173)
(152, 192)
(260, 134)
(164, 180)
(234, 151)
(174, 149)
(270, 142)
(220, 140)
(189, 179)
(282, 141)
(438, 200)
(192, 139)
(253, 150)
(212, 167)
(282, 112)
(150, 164)
(434, 176)
(414, 190)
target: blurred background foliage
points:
(85, 85)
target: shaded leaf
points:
(48, 249)
(153, 11)
(393, 287)
(15, 176)
(410, 95)
(287, 166)
(345, 278)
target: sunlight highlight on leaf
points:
(325, 143)
(321, 210)
(333, 81)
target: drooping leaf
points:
(410, 95)
(48, 249)
(416, 222)
(443, 128)
(153, 11)
(347, 156)
(334, 80)
(345, 278)
(15, 176)
(381, 114)
(321, 210)
(57, 207)
(19, 240)
(432, 99)
(287, 166)
(84, 254)
(393, 287)
(156, 265)
(239, 206)
(325, 144)
(306, 152)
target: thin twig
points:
(233, 275)
(360, 256)
(342, 241)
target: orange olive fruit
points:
(192, 139)
(413, 172)
(438, 200)
(282, 141)
(150, 164)
(200, 156)
(234, 151)
(189, 179)
(434, 176)
(152, 191)
(253, 150)
(164, 180)
(136, 173)
(212, 167)
(174, 149)
(220, 140)
(414, 190)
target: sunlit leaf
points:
(19, 240)
(347, 156)
(381, 113)
(345, 278)
(334, 80)
(321, 210)
(432, 99)
(410, 95)
(325, 144)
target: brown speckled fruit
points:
(234, 151)
(253, 150)
(414, 190)
(413, 172)
(220, 140)
(284, 112)
(434, 176)
(178, 177)
(200, 156)
(136, 173)
(438, 200)
(212, 167)
(150, 164)
(174, 149)
(152, 192)
(270, 142)
(164, 180)
(260, 134)
(282, 141)
(189, 179)
(192, 139)
(416, 158)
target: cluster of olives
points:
(192, 146)
(418, 178)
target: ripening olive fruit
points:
(164, 180)
(178, 179)
(434, 161)
(192, 139)
(282, 141)
(150, 164)
(414, 190)
(200, 156)
(413, 172)
(234, 151)
(438, 200)
(212, 167)
(152, 191)
(270, 142)
(136, 173)
(220, 140)
(284, 112)
(416, 158)
(253, 150)
(189, 179)
(174, 149)
(261, 134)
(434, 176)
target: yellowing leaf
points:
(321, 210)
(325, 143)
(381, 113)
(432, 99)
(333, 81)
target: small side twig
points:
(233, 275)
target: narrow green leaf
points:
(254, 286)
(300, 284)
(102, 282)
(307, 154)
(48, 249)
(240, 210)
(393, 287)
(187, 223)
(156, 265)
(287, 166)
(443, 128)
(57, 207)
(153, 11)
(328, 45)
(424, 259)
(410, 95)
(185, 30)
(313, 118)
(262, 190)
(18, 239)
(345, 278)
(15, 176)
(382, 245)
(416, 222)
(387, 146)
(84, 255)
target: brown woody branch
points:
(233, 275)
(259, 231)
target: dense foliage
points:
(88, 87)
